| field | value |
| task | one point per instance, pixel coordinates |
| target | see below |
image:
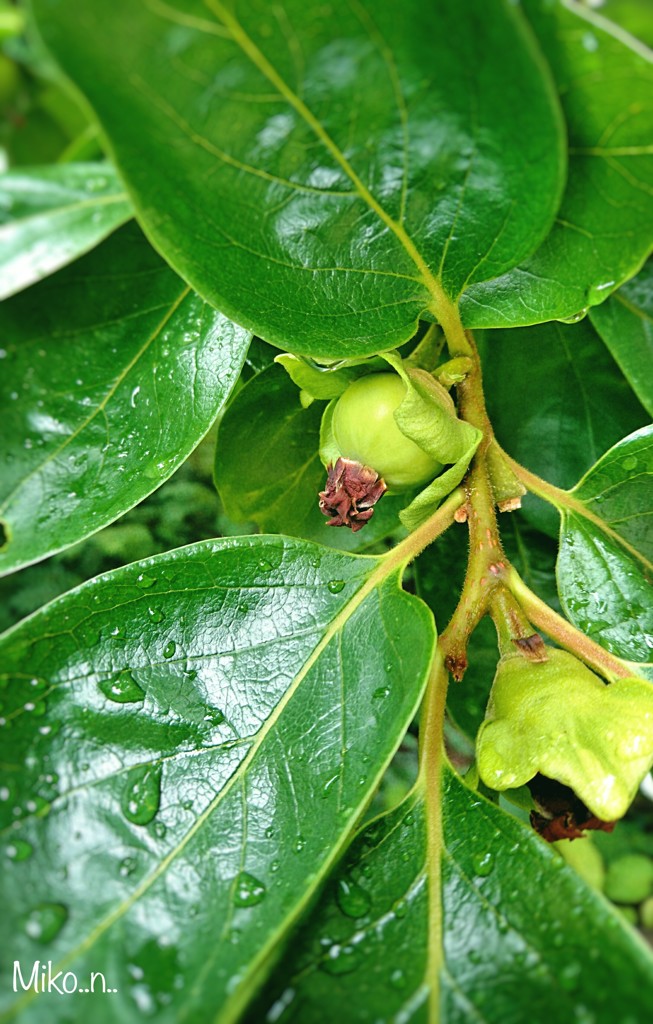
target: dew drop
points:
(341, 960)
(629, 463)
(400, 909)
(19, 850)
(142, 795)
(155, 614)
(122, 689)
(335, 586)
(248, 891)
(381, 692)
(483, 863)
(398, 979)
(144, 581)
(264, 565)
(45, 921)
(353, 900)
(300, 843)
(169, 649)
(574, 318)
(127, 867)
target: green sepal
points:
(324, 382)
(329, 451)
(428, 417)
(560, 719)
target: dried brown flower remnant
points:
(559, 813)
(351, 492)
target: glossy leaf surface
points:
(112, 371)
(557, 402)
(199, 778)
(268, 469)
(331, 171)
(625, 323)
(507, 949)
(606, 550)
(51, 215)
(602, 231)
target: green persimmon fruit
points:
(629, 878)
(365, 431)
(585, 859)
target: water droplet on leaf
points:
(19, 850)
(142, 795)
(144, 581)
(122, 689)
(353, 900)
(335, 586)
(341, 960)
(45, 921)
(248, 891)
(169, 649)
(483, 863)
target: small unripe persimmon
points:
(365, 431)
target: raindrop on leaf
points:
(142, 795)
(353, 900)
(122, 689)
(45, 921)
(248, 891)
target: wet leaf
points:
(331, 172)
(625, 323)
(184, 833)
(606, 550)
(51, 215)
(112, 372)
(517, 923)
(601, 235)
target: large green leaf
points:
(327, 173)
(557, 402)
(605, 565)
(523, 937)
(112, 371)
(188, 742)
(51, 215)
(625, 322)
(602, 232)
(268, 469)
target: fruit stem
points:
(430, 530)
(564, 633)
(514, 630)
(432, 755)
(487, 563)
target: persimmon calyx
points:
(559, 719)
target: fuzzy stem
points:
(564, 633)
(487, 563)
(430, 775)
(512, 625)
